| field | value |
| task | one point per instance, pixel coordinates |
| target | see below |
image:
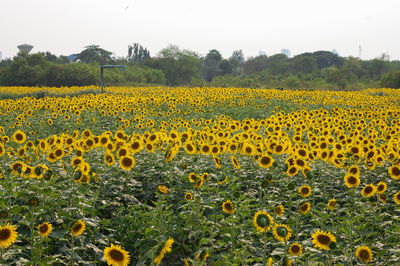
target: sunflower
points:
(45, 229)
(188, 196)
(78, 228)
(382, 197)
(235, 162)
(202, 256)
(205, 149)
(222, 180)
(351, 181)
(109, 159)
(381, 187)
(190, 148)
(282, 232)
(116, 256)
(279, 210)
(394, 172)
(19, 137)
(163, 189)
(165, 249)
(8, 235)
(364, 253)
(332, 204)
(305, 191)
(193, 177)
(228, 207)
(17, 167)
(265, 161)
(126, 162)
(354, 170)
(295, 249)
(322, 239)
(305, 208)
(292, 171)
(263, 221)
(198, 183)
(396, 198)
(368, 190)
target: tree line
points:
(177, 67)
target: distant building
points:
(71, 58)
(25, 48)
(286, 52)
(262, 53)
(1, 56)
(335, 52)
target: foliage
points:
(255, 149)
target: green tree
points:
(304, 64)
(391, 80)
(137, 53)
(211, 64)
(94, 54)
(180, 67)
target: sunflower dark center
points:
(127, 161)
(364, 254)
(302, 152)
(282, 231)
(76, 227)
(109, 158)
(323, 239)
(19, 137)
(265, 160)
(368, 189)
(300, 162)
(292, 170)
(135, 145)
(206, 148)
(248, 150)
(305, 190)
(5, 234)
(116, 255)
(353, 171)
(122, 152)
(189, 147)
(228, 206)
(304, 207)
(295, 249)
(396, 171)
(278, 148)
(278, 210)
(352, 180)
(43, 228)
(58, 153)
(262, 220)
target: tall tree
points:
(137, 53)
(94, 54)
(211, 64)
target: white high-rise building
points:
(1, 56)
(262, 53)
(286, 52)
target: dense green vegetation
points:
(174, 67)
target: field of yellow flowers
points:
(199, 176)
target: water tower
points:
(25, 48)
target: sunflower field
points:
(199, 176)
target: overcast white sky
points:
(64, 27)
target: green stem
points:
(31, 227)
(1, 256)
(265, 248)
(72, 251)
